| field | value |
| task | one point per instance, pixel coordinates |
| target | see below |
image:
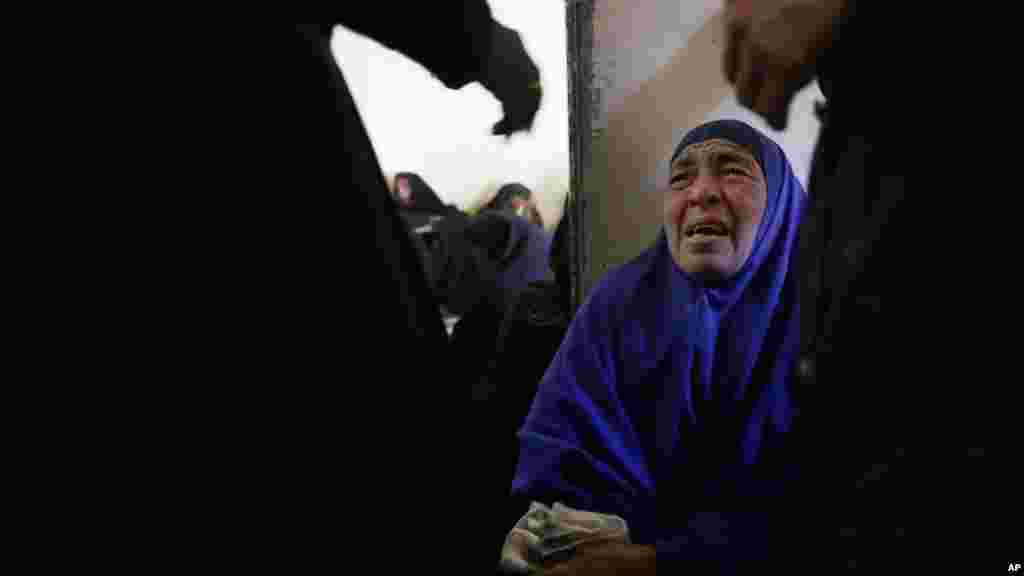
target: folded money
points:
(549, 535)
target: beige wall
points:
(658, 74)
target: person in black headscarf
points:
(517, 199)
(489, 257)
(415, 197)
(422, 210)
(854, 188)
(474, 48)
(261, 284)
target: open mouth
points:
(711, 229)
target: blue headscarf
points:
(666, 387)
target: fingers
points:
(506, 127)
(735, 39)
(764, 83)
(520, 111)
(749, 75)
(782, 81)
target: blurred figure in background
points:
(419, 205)
(517, 199)
(531, 329)
(505, 243)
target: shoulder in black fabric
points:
(541, 305)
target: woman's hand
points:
(611, 558)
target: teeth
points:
(707, 229)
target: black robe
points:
(287, 329)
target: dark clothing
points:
(671, 395)
(415, 466)
(423, 207)
(531, 331)
(855, 194)
(857, 191)
(486, 260)
(532, 328)
(513, 251)
(464, 260)
(290, 312)
(525, 254)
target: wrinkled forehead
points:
(701, 151)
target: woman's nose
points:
(705, 190)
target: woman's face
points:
(714, 207)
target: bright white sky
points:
(418, 125)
